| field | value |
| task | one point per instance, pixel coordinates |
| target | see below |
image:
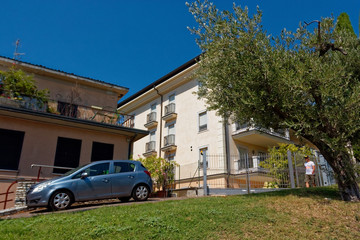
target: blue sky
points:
(135, 42)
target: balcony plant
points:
(16, 85)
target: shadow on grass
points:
(314, 192)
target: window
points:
(95, 170)
(171, 129)
(170, 138)
(151, 117)
(172, 98)
(152, 136)
(11, 143)
(150, 146)
(153, 108)
(202, 121)
(102, 151)
(67, 109)
(120, 167)
(67, 154)
(170, 156)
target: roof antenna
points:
(17, 55)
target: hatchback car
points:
(123, 179)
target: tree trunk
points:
(345, 175)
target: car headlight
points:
(40, 187)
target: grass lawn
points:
(290, 214)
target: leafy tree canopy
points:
(343, 24)
(307, 81)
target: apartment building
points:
(182, 129)
(79, 124)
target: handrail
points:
(8, 192)
(46, 166)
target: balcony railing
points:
(105, 115)
(151, 117)
(150, 146)
(169, 140)
(246, 127)
(170, 108)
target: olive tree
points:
(307, 81)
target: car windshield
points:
(74, 170)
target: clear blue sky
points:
(135, 42)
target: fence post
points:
(291, 170)
(247, 173)
(296, 171)
(204, 172)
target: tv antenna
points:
(17, 55)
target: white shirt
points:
(309, 167)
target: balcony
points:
(260, 136)
(150, 149)
(105, 115)
(169, 112)
(245, 161)
(151, 120)
(169, 143)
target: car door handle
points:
(131, 176)
(105, 180)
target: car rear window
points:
(120, 167)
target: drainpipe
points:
(131, 142)
(161, 113)
(227, 151)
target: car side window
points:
(95, 170)
(120, 167)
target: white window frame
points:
(200, 129)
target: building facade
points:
(78, 125)
(182, 129)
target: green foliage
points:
(343, 24)
(162, 171)
(277, 163)
(302, 81)
(273, 215)
(16, 84)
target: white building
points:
(181, 128)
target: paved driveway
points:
(84, 206)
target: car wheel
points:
(60, 200)
(141, 193)
(124, 199)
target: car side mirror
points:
(84, 175)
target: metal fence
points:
(246, 171)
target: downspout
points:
(227, 152)
(161, 113)
(131, 142)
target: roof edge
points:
(161, 80)
(70, 75)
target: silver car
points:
(123, 179)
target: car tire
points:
(141, 193)
(60, 200)
(124, 199)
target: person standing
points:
(310, 172)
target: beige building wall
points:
(40, 140)
(188, 139)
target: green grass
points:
(291, 214)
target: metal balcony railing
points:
(170, 108)
(107, 115)
(150, 146)
(169, 140)
(151, 117)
